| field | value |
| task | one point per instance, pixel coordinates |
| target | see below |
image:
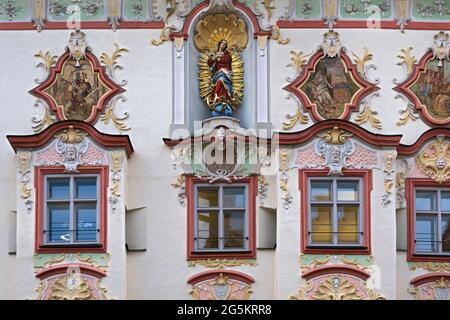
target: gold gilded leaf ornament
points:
(436, 162)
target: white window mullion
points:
(196, 235)
(309, 216)
(97, 206)
(46, 224)
(361, 234)
(439, 222)
(246, 220)
(221, 220)
(334, 228)
(72, 210)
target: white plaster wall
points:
(404, 276)
(383, 227)
(287, 264)
(161, 271)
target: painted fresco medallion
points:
(329, 85)
(432, 88)
(77, 87)
(77, 90)
(427, 86)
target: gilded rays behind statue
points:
(221, 38)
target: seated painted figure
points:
(220, 66)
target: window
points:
(335, 211)
(71, 209)
(221, 218)
(221, 214)
(432, 221)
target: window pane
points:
(348, 224)
(86, 188)
(208, 197)
(58, 189)
(234, 224)
(321, 231)
(445, 225)
(234, 197)
(445, 201)
(86, 222)
(426, 233)
(347, 190)
(208, 230)
(58, 223)
(320, 190)
(425, 200)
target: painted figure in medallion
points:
(330, 87)
(433, 89)
(77, 89)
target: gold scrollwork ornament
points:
(335, 136)
(222, 263)
(435, 164)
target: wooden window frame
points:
(72, 200)
(250, 252)
(335, 203)
(41, 246)
(220, 211)
(411, 185)
(365, 176)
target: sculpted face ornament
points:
(335, 154)
(440, 163)
(221, 134)
(331, 44)
(71, 145)
(77, 46)
(71, 154)
(441, 47)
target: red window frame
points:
(410, 185)
(40, 173)
(252, 183)
(366, 176)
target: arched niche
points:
(188, 106)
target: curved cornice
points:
(317, 272)
(429, 277)
(37, 140)
(206, 275)
(62, 269)
(407, 150)
(293, 138)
